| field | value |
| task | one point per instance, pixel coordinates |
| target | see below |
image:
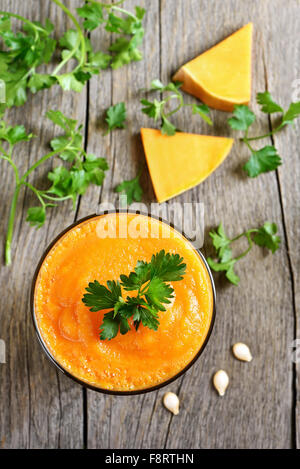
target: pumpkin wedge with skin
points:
(181, 162)
(221, 76)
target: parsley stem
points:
(41, 195)
(248, 236)
(252, 139)
(24, 20)
(7, 157)
(10, 227)
(36, 192)
(108, 6)
(38, 163)
(122, 10)
(181, 104)
(261, 137)
(114, 6)
(243, 235)
(81, 39)
(246, 141)
(55, 199)
(244, 254)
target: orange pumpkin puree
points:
(138, 360)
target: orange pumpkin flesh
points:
(183, 161)
(221, 76)
(138, 360)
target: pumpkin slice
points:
(221, 77)
(180, 163)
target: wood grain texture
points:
(286, 88)
(110, 418)
(249, 416)
(42, 408)
(39, 408)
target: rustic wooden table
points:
(39, 407)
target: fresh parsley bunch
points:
(33, 46)
(157, 109)
(129, 29)
(267, 159)
(25, 52)
(67, 183)
(266, 236)
(150, 281)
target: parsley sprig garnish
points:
(150, 281)
(266, 159)
(157, 110)
(266, 236)
(67, 182)
(34, 45)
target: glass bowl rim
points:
(84, 383)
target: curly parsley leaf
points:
(152, 109)
(151, 282)
(157, 109)
(292, 114)
(263, 161)
(267, 158)
(203, 111)
(265, 236)
(14, 135)
(168, 267)
(95, 168)
(68, 82)
(39, 82)
(157, 85)
(242, 118)
(221, 243)
(36, 216)
(159, 294)
(58, 118)
(148, 319)
(167, 127)
(268, 105)
(227, 267)
(116, 117)
(124, 53)
(101, 297)
(110, 327)
(135, 280)
(126, 48)
(92, 14)
(132, 189)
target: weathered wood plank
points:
(109, 419)
(244, 428)
(252, 415)
(283, 81)
(45, 409)
(99, 99)
(39, 407)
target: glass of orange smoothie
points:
(102, 248)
